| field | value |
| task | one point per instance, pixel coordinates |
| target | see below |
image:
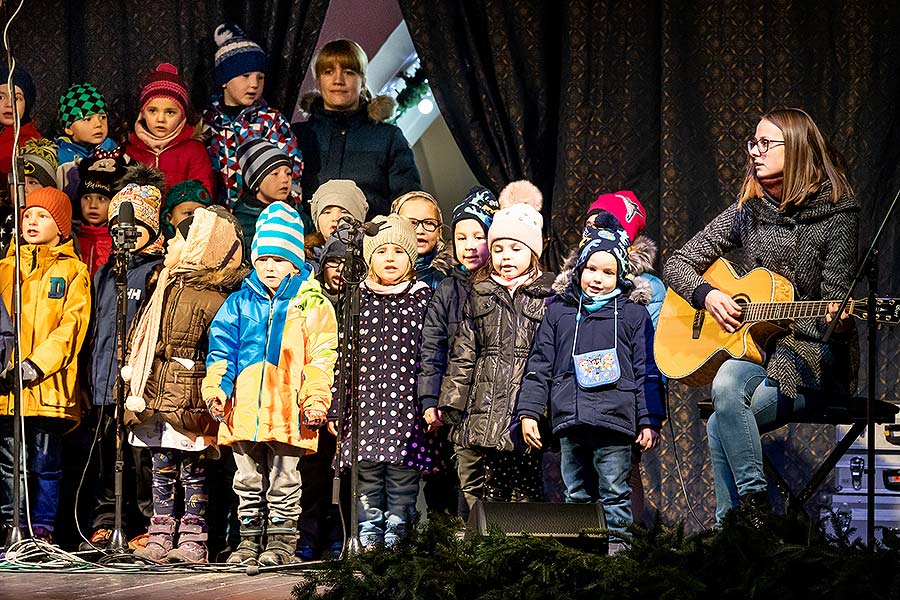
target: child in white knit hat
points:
(392, 445)
(500, 317)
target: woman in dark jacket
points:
(796, 216)
(346, 136)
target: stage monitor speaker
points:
(539, 519)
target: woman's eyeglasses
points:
(762, 144)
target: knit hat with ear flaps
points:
(519, 217)
(56, 203)
(80, 101)
(279, 232)
(214, 241)
(236, 55)
(165, 82)
(479, 204)
(40, 161)
(339, 192)
(394, 229)
(625, 206)
(145, 200)
(607, 236)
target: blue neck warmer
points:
(594, 303)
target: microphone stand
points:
(868, 267)
(125, 240)
(348, 354)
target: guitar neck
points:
(781, 311)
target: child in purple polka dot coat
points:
(391, 430)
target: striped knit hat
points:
(236, 54)
(279, 232)
(80, 101)
(258, 158)
(165, 82)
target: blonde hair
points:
(348, 55)
(809, 161)
(410, 269)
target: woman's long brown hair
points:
(809, 161)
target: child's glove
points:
(315, 419)
(216, 406)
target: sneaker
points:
(138, 541)
(42, 534)
(100, 539)
(336, 549)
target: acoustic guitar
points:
(690, 346)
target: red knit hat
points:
(625, 206)
(55, 202)
(165, 82)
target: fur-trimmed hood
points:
(227, 279)
(641, 256)
(378, 109)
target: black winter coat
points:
(358, 146)
(488, 360)
(633, 402)
(105, 303)
(441, 323)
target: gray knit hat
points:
(394, 229)
(339, 192)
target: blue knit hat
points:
(279, 232)
(479, 204)
(609, 237)
(23, 80)
(236, 55)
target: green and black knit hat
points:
(80, 101)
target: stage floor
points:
(146, 586)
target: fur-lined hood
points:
(641, 256)
(378, 109)
(227, 279)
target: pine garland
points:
(787, 559)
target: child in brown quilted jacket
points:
(167, 362)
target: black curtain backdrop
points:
(658, 97)
(115, 44)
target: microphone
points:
(369, 228)
(125, 232)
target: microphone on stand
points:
(124, 232)
(369, 228)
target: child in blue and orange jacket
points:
(270, 369)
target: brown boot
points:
(281, 543)
(251, 543)
(161, 530)
(192, 537)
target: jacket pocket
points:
(562, 398)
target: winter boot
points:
(281, 542)
(251, 543)
(191, 541)
(161, 530)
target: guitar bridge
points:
(699, 316)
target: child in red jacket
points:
(96, 188)
(163, 137)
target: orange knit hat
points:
(56, 203)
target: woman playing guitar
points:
(796, 216)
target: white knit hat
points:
(519, 217)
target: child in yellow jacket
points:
(270, 368)
(56, 309)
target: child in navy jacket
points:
(596, 420)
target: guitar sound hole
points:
(742, 301)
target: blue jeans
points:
(595, 465)
(746, 404)
(43, 463)
(387, 501)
